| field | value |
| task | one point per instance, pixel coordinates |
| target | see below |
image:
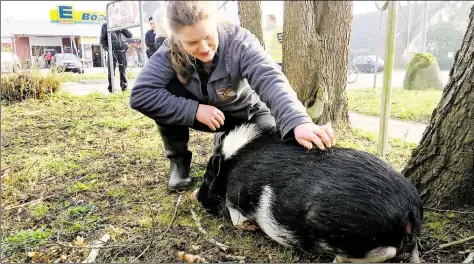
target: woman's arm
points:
(150, 97)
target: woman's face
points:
(200, 40)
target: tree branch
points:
(457, 242)
(212, 240)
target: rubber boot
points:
(176, 150)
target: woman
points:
(213, 76)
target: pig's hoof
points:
(339, 259)
(248, 225)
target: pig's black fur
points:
(351, 200)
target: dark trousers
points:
(120, 58)
(261, 116)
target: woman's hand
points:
(310, 133)
(210, 116)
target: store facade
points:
(67, 31)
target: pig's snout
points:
(194, 195)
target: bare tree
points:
(315, 53)
(250, 15)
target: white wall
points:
(46, 41)
(6, 40)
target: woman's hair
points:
(180, 14)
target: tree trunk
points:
(315, 53)
(442, 166)
(250, 14)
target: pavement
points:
(407, 131)
(410, 132)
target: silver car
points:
(10, 62)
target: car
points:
(10, 62)
(69, 62)
(367, 64)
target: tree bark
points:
(315, 53)
(250, 14)
(442, 166)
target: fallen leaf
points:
(79, 241)
(190, 258)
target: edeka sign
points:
(65, 14)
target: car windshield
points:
(373, 58)
(65, 56)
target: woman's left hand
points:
(310, 133)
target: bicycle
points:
(352, 73)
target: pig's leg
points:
(378, 255)
(241, 221)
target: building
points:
(67, 31)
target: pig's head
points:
(211, 194)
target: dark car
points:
(367, 64)
(69, 62)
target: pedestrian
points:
(274, 39)
(212, 77)
(150, 38)
(119, 40)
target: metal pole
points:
(142, 30)
(378, 50)
(110, 57)
(387, 78)
(82, 49)
(424, 23)
(408, 33)
(71, 39)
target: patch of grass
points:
(99, 167)
(24, 240)
(38, 210)
(413, 106)
(74, 77)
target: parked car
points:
(367, 64)
(69, 62)
(10, 62)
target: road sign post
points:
(387, 78)
(122, 15)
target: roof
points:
(47, 28)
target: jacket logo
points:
(225, 93)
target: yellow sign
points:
(65, 14)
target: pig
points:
(339, 201)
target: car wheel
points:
(372, 70)
(16, 68)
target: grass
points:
(413, 106)
(75, 168)
(74, 77)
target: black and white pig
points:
(340, 201)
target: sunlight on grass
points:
(415, 106)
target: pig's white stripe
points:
(238, 138)
(267, 222)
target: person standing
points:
(119, 40)
(150, 39)
(274, 39)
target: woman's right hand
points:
(210, 116)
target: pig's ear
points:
(216, 164)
